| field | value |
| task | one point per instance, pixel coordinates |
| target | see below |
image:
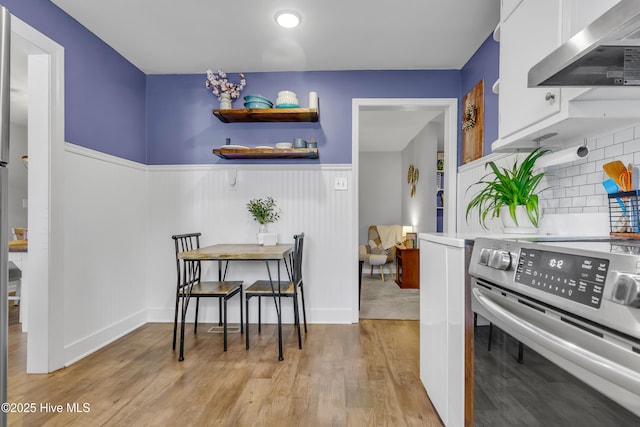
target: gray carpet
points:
(385, 300)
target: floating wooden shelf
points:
(265, 153)
(267, 115)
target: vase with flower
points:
(223, 88)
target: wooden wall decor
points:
(473, 123)
(412, 179)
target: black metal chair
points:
(189, 285)
(288, 289)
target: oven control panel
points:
(574, 277)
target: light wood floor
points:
(346, 375)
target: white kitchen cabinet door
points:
(532, 31)
(434, 361)
(580, 13)
(442, 347)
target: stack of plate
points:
(287, 99)
(257, 101)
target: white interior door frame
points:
(45, 291)
(450, 110)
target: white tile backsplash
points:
(615, 150)
(604, 141)
(623, 135)
(577, 187)
(579, 180)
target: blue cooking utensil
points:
(611, 187)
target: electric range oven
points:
(560, 344)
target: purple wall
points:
(484, 64)
(104, 93)
(113, 107)
(182, 129)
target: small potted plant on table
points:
(264, 211)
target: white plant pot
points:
(268, 239)
(524, 226)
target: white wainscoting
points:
(194, 198)
(105, 246)
(119, 265)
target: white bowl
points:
(284, 145)
(287, 93)
(287, 100)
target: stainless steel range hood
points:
(605, 53)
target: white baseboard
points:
(85, 346)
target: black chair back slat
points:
(188, 272)
(188, 277)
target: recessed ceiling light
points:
(288, 18)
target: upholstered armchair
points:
(375, 253)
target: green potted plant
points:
(511, 194)
(264, 211)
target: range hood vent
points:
(605, 53)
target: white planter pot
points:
(524, 225)
(268, 239)
(265, 238)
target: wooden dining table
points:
(278, 254)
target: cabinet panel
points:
(531, 32)
(408, 268)
(580, 13)
(442, 329)
(434, 359)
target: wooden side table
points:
(408, 267)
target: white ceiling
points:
(191, 36)
(392, 128)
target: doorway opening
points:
(43, 293)
(437, 113)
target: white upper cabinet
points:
(529, 31)
(520, 106)
(580, 13)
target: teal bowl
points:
(287, 106)
(256, 105)
(257, 98)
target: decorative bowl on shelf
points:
(257, 105)
(299, 143)
(284, 145)
(257, 98)
(286, 99)
(287, 93)
(287, 106)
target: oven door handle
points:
(607, 369)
